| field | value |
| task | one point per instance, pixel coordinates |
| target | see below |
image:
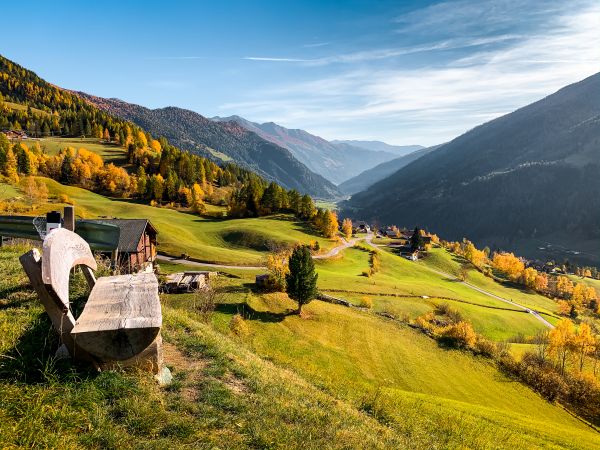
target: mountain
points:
(335, 161)
(371, 176)
(226, 141)
(378, 146)
(528, 181)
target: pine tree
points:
(66, 169)
(301, 281)
(416, 241)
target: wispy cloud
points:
(261, 58)
(434, 102)
(385, 53)
(315, 45)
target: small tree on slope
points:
(301, 281)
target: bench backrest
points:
(61, 251)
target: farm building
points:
(137, 244)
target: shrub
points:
(486, 347)
(238, 326)
(204, 302)
(366, 302)
(64, 198)
(459, 334)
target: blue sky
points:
(406, 72)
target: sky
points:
(405, 72)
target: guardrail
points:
(100, 236)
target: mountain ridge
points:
(190, 130)
(336, 162)
(508, 183)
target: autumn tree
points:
(301, 281)
(277, 264)
(330, 225)
(584, 343)
(347, 228)
(196, 199)
(564, 287)
(561, 341)
(508, 264)
(10, 167)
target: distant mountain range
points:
(337, 161)
(371, 176)
(528, 181)
(378, 146)
(222, 140)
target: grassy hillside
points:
(409, 282)
(109, 152)
(340, 378)
(238, 241)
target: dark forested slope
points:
(521, 181)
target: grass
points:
(400, 277)
(109, 152)
(441, 259)
(340, 378)
(20, 107)
(236, 241)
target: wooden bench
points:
(121, 320)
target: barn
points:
(137, 244)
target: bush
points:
(238, 326)
(366, 302)
(459, 334)
(486, 347)
(204, 302)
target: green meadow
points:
(235, 241)
(337, 378)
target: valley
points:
(326, 313)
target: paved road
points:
(534, 313)
(336, 250)
(346, 244)
(330, 254)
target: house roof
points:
(131, 231)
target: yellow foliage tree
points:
(330, 227)
(347, 228)
(277, 264)
(508, 264)
(529, 277)
(155, 145)
(196, 200)
(584, 343)
(10, 168)
(541, 282)
(561, 342)
(564, 286)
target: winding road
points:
(330, 254)
(347, 244)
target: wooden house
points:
(137, 244)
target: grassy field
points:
(238, 241)
(398, 276)
(340, 378)
(109, 152)
(439, 258)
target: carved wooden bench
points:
(121, 320)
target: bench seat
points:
(121, 318)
